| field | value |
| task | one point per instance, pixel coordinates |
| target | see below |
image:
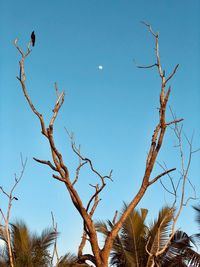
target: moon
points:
(100, 67)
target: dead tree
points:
(100, 256)
(5, 231)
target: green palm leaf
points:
(129, 246)
(134, 236)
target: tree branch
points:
(171, 75)
(47, 162)
(160, 175)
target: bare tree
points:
(4, 229)
(100, 256)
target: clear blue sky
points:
(112, 112)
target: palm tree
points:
(29, 250)
(138, 242)
(129, 246)
(181, 251)
(136, 238)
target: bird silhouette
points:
(33, 38)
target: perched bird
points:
(33, 38)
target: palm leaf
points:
(197, 219)
(28, 249)
(21, 238)
(68, 260)
(192, 257)
(159, 231)
(46, 239)
(102, 227)
(180, 252)
(3, 235)
(133, 236)
(129, 246)
(196, 237)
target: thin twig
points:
(160, 175)
(147, 67)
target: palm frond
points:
(159, 231)
(68, 260)
(28, 249)
(120, 257)
(21, 238)
(196, 237)
(102, 227)
(3, 235)
(46, 239)
(180, 252)
(192, 257)
(129, 246)
(197, 219)
(134, 237)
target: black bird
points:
(33, 38)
